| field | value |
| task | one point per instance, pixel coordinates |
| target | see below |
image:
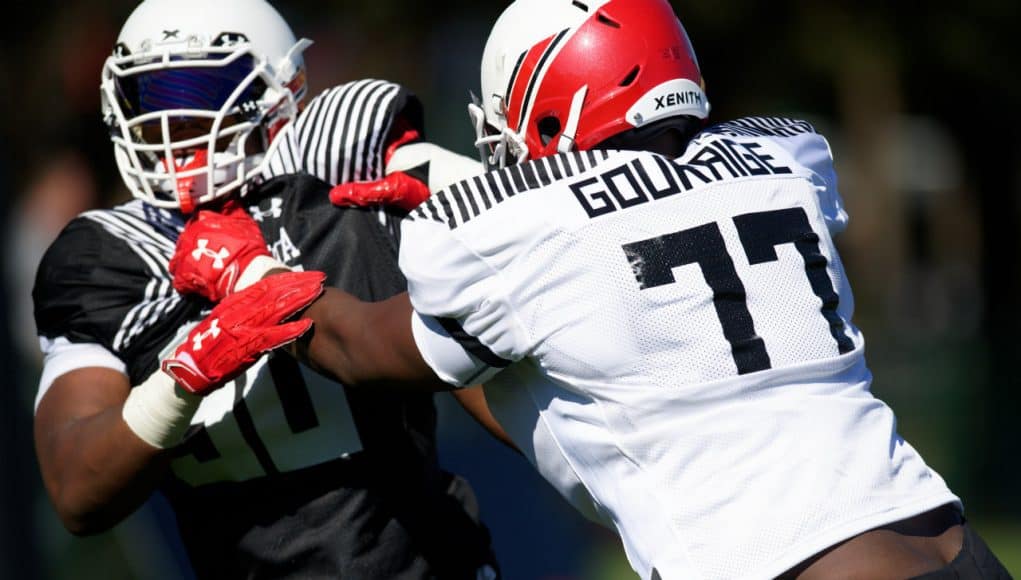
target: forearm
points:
(98, 472)
(95, 468)
(473, 400)
(366, 343)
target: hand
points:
(397, 189)
(241, 328)
(214, 250)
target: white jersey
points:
(670, 342)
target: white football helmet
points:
(565, 75)
(194, 94)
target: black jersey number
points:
(653, 261)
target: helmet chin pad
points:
(185, 186)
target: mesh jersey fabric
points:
(673, 345)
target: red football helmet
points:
(563, 75)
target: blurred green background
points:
(920, 102)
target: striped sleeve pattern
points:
(154, 249)
(762, 127)
(466, 200)
(341, 135)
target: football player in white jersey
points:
(659, 315)
(272, 470)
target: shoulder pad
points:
(463, 201)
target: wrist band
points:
(256, 270)
(158, 411)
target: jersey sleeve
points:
(81, 293)
(342, 134)
(458, 300)
(812, 151)
(807, 147)
(61, 356)
(94, 288)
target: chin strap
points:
(185, 185)
(566, 142)
(482, 142)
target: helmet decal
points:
(230, 39)
(532, 68)
(583, 73)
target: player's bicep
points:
(61, 356)
(81, 393)
(72, 397)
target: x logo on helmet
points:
(168, 34)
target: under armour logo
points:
(168, 34)
(275, 210)
(212, 333)
(229, 39)
(251, 110)
(203, 251)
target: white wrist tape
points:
(159, 411)
(256, 270)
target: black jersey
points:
(283, 472)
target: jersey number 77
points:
(654, 259)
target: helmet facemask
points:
(190, 126)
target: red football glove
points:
(214, 250)
(241, 328)
(398, 189)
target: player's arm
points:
(354, 342)
(95, 468)
(366, 343)
(473, 400)
(101, 442)
(371, 343)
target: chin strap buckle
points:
(185, 185)
(566, 142)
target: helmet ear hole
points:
(606, 20)
(549, 127)
(631, 76)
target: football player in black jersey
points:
(272, 470)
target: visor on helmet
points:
(207, 87)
